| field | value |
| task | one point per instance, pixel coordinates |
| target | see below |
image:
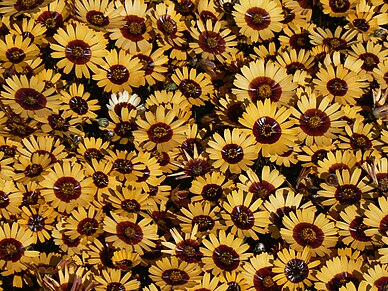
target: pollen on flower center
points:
(212, 42)
(67, 189)
(314, 121)
(266, 130)
(257, 18)
(226, 258)
(129, 232)
(28, 4)
(36, 222)
(308, 234)
(268, 282)
(15, 55)
(10, 250)
(264, 91)
(135, 28)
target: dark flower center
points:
(348, 194)
(93, 153)
(100, 179)
(307, 234)
(97, 18)
(185, 7)
(357, 230)
(296, 270)
(146, 175)
(125, 128)
(130, 206)
(226, 258)
(22, 5)
(361, 24)
(147, 62)
(232, 153)
(339, 6)
(337, 87)
(263, 280)
(29, 198)
(197, 167)
(382, 283)
(188, 251)
(335, 43)
(87, 226)
(167, 26)
(33, 170)
(124, 265)
(340, 280)
(160, 132)
(293, 67)
(78, 105)
(30, 99)
(115, 286)
(175, 277)
(129, 232)
(134, 28)
(212, 42)
(56, 122)
(257, 18)
(242, 217)
(188, 146)
(67, 188)
(123, 166)
(52, 20)
(117, 74)
(11, 250)
(78, 52)
(36, 222)
(262, 88)
(235, 111)
(9, 151)
(190, 88)
(261, 189)
(370, 61)
(206, 14)
(205, 222)
(315, 122)
(15, 55)
(288, 15)
(382, 179)
(211, 192)
(267, 130)
(360, 141)
(300, 41)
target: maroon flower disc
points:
(232, 153)
(242, 217)
(267, 130)
(30, 99)
(226, 258)
(175, 277)
(134, 28)
(160, 132)
(97, 18)
(78, 52)
(257, 18)
(117, 74)
(314, 122)
(129, 232)
(307, 234)
(296, 270)
(67, 188)
(87, 226)
(262, 88)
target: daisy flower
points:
(123, 166)
(133, 36)
(352, 228)
(15, 50)
(317, 119)
(341, 82)
(336, 160)
(39, 221)
(338, 8)
(268, 125)
(173, 274)
(297, 37)
(185, 249)
(234, 280)
(224, 253)
(99, 15)
(14, 246)
(170, 100)
(65, 187)
(377, 220)
(261, 80)
(10, 199)
(112, 278)
(123, 100)
(349, 189)
(205, 215)
(29, 97)
(244, 216)
(337, 272)
(14, 8)
(168, 23)
(235, 151)
(34, 168)
(66, 244)
(57, 125)
(153, 65)
(77, 104)
(381, 74)
(131, 234)
(194, 86)
(258, 273)
(161, 130)
(92, 148)
(210, 187)
(207, 10)
(336, 41)
(79, 48)
(229, 110)
(119, 72)
(261, 187)
(293, 269)
(125, 260)
(123, 125)
(305, 228)
(377, 277)
(258, 20)
(212, 42)
(84, 224)
(52, 16)
(127, 201)
(100, 171)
